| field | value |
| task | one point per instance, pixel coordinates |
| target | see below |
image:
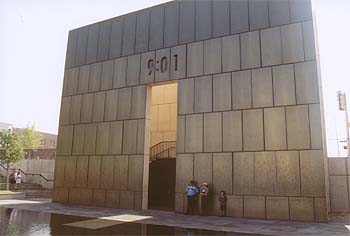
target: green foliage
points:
(30, 138)
(11, 150)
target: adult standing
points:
(204, 191)
(18, 178)
(191, 193)
(13, 177)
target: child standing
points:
(222, 201)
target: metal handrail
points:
(161, 146)
(160, 155)
(169, 141)
(29, 174)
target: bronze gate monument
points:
(243, 108)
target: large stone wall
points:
(249, 119)
(339, 184)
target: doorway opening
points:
(162, 159)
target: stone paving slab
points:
(339, 225)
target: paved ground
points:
(339, 225)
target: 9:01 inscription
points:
(163, 64)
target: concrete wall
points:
(249, 119)
(164, 113)
(339, 184)
(44, 167)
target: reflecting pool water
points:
(31, 223)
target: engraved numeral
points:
(176, 62)
(163, 64)
(150, 65)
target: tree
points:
(29, 137)
(11, 152)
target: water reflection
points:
(20, 222)
(59, 227)
(30, 223)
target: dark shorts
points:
(222, 207)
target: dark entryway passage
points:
(161, 189)
(162, 156)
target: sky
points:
(33, 45)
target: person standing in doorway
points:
(191, 193)
(204, 191)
